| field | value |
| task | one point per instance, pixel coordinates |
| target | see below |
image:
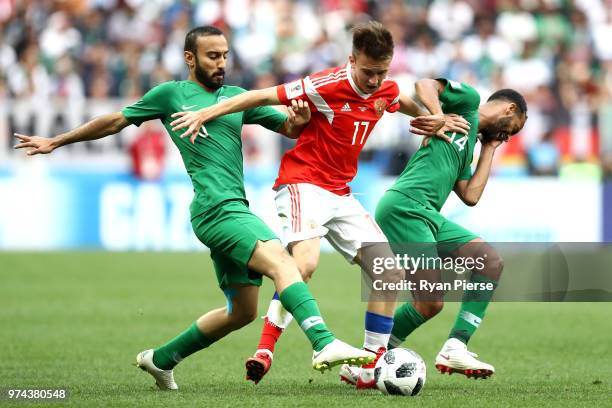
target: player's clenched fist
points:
(298, 112)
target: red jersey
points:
(343, 117)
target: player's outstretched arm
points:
(96, 128)
(428, 92)
(193, 121)
(470, 191)
(427, 124)
(408, 106)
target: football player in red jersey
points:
(313, 197)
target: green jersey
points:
(433, 170)
(214, 162)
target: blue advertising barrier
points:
(54, 209)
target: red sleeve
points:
(394, 99)
(290, 91)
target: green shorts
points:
(231, 231)
(407, 221)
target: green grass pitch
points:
(77, 320)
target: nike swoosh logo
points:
(445, 357)
(317, 353)
(187, 107)
(203, 132)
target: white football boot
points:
(349, 374)
(163, 378)
(338, 352)
(455, 358)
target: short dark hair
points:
(510, 95)
(373, 39)
(192, 36)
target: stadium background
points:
(63, 62)
(73, 318)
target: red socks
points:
(269, 336)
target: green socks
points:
(296, 299)
(299, 302)
(183, 345)
(405, 320)
(473, 306)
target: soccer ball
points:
(400, 372)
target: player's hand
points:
(429, 125)
(456, 123)
(494, 143)
(453, 124)
(35, 144)
(193, 121)
(298, 112)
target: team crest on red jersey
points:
(379, 106)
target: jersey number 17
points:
(357, 125)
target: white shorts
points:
(307, 211)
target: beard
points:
(214, 81)
(493, 131)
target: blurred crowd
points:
(558, 53)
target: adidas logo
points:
(346, 108)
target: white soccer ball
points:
(400, 372)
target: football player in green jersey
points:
(409, 212)
(242, 247)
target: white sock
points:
(373, 340)
(277, 314)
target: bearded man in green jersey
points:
(242, 247)
(409, 212)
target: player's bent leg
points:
(241, 309)
(409, 316)
(379, 314)
(355, 234)
(454, 355)
(270, 259)
(306, 255)
(160, 362)
(428, 309)
(411, 229)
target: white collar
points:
(358, 91)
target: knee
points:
(429, 309)
(307, 267)
(495, 264)
(281, 264)
(394, 275)
(240, 318)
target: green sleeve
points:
(265, 116)
(458, 97)
(153, 105)
(466, 173)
